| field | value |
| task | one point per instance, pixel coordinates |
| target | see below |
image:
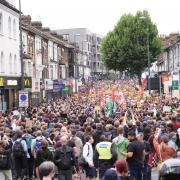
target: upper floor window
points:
(10, 64)
(9, 26)
(1, 23)
(15, 64)
(14, 29)
(1, 62)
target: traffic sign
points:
(23, 99)
(175, 85)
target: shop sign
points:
(1, 81)
(23, 99)
(175, 85)
(66, 89)
(11, 82)
(165, 78)
(48, 84)
(56, 86)
(27, 82)
(61, 86)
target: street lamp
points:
(148, 56)
(21, 47)
(75, 63)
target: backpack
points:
(3, 161)
(18, 150)
(28, 140)
(66, 161)
(37, 145)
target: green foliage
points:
(125, 48)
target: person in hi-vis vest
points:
(105, 156)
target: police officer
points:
(105, 156)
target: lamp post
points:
(75, 63)
(84, 63)
(148, 55)
(21, 48)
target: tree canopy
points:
(125, 48)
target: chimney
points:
(54, 33)
(37, 24)
(26, 19)
(46, 29)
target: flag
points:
(113, 96)
(103, 101)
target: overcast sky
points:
(100, 16)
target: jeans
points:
(101, 173)
(146, 172)
(20, 167)
(136, 171)
(65, 175)
(90, 172)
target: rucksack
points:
(18, 150)
(37, 145)
(4, 161)
(28, 140)
(66, 161)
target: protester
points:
(64, 159)
(135, 156)
(47, 170)
(122, 170)
(42, 155)
(110, 108)
(88, 156)
(5, 160)
(120, 143)
(163, 150)
(20, 155)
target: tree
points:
(125, 48)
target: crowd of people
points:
(108, 133)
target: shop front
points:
(48, 89)
(35, 93)
(56, 89)
(9, 87)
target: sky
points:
(100, 16)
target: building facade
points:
(89, 46)
(10, 70)
(168, 65)
(47, 56)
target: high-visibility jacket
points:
(104, 150)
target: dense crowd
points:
(84, 136)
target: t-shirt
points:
(137, 148)
(120, 144)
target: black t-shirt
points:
(137, 148)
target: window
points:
(29, 68)
(9, 26)
(1, 23)
(14, 29)
(15, 64)
(51, 71)
(55, 74)
(1, 63)
(10, 64)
